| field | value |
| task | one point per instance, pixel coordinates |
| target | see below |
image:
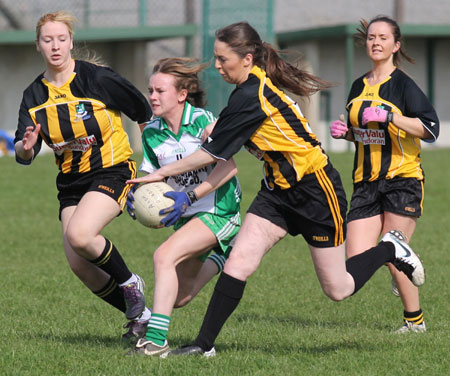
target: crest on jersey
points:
(81, 113)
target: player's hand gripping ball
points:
(149, 200)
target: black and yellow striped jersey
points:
(385, 152)
(81, 120)
(271, 126)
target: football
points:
(149, 199)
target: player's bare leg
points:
(255, 238)
(331, 271)
(174, 251)
(193, 275)
(92, 276)
(94, 211)
(363, 234)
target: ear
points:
(396, 47)
(71, 44)
(248, 60)
(37, 46)
(182, 95)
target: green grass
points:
(52, 325)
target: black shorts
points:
(398, 195)
(110, 181)
(315, 208)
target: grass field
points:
(52, 325)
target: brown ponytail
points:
(243, 39)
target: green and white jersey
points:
(161, 147)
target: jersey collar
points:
(366, 82)
(257, 71)
(186, 118)
(68, 82)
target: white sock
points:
(146, 315)
(132, 279)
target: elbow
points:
(430, 131)
(430, 137)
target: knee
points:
(240, 268)
(160, 259)
(78, 239)
(335, 293)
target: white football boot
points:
(405, 259)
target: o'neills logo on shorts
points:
(369, 136)
(318, 238)
(80, 144)
(105, 188)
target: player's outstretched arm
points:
(196, 160)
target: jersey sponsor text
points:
(80, 144)
(190, 177)
(369, 136)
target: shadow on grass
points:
(82, 339)
(313, 349)
(307, 323)
(308, 345)
(288, 348)
(108, 341)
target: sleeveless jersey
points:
(383, 152)
(162, 147)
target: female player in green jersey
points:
(301, 192)
(206, 212)
(75, 108)
(388, 115)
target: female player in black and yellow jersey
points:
(74, 107)
(388, 115)
(301, 192)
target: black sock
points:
(112, 294)
(414, 317)
(226, 297)
(363, 266)
(112, 263)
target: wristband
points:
(390, 117)
(192, 196)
